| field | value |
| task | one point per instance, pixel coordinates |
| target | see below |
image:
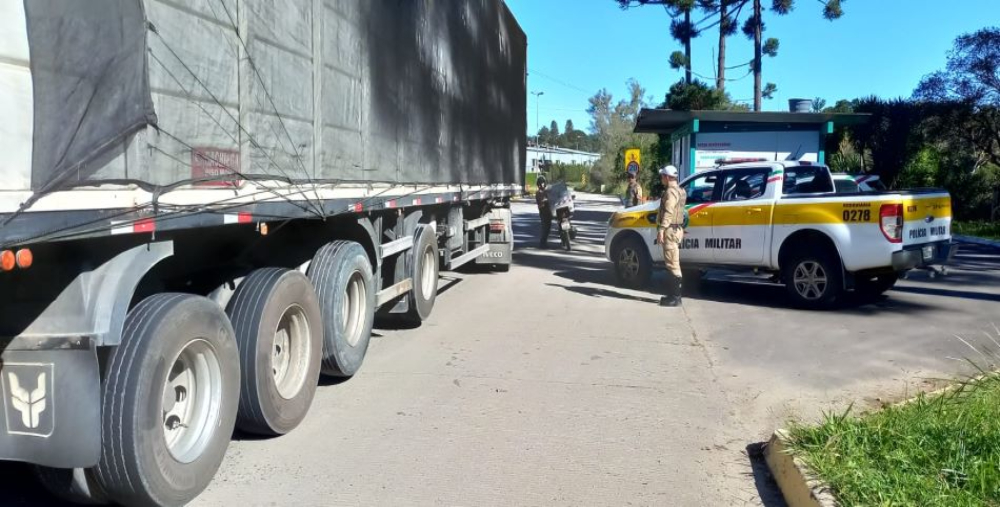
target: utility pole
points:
(757, 64)
(537, 127)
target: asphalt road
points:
(550, 385)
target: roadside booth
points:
(704, 140)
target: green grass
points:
(939, 450)
(980, 229)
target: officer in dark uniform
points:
(544, 211)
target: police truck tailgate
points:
(926, 218)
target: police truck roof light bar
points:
(731, 161)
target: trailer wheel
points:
(424, 273)
(75, 485)
(276, 317)
(169, 401)
(342, 275)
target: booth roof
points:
(666, 121)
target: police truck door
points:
(741, 227)
(702, 194)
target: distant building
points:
(539, 156)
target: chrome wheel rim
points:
(810, 280)
(290, 352)
(354, 308)
(628, 263)
(192, 401)
(428, 275)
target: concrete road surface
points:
(549, 385)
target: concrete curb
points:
(977, 241)
(798, 484)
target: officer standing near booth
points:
(670, 232)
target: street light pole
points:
(537, 126)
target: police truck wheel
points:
(633, 267)
(279, 331)
(169, 401)
(342, 276)
(813, 279)
(423, 259)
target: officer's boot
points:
(673, 297)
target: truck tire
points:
(342, 276)
(424, 273)
(633, 267)
(169, 401)
(279, 332)
(75, 485)
(813, 279)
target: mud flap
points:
(51, 405)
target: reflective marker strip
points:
(416, 201)
(438, 200)
(238, 218)
(140, 226)
(390, 204)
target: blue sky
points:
(879, 47)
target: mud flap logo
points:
(28, 399)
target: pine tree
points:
(754, 29)
(681, 28)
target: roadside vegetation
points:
(980, 228)
(936, 450)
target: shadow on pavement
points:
(770, 494)
(19, 486)
(929, 291)
(596, 292)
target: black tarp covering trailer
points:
(210, 94)
(183, 182)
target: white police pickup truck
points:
(787, 218)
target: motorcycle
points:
(561, 202)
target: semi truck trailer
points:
(204, 205)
